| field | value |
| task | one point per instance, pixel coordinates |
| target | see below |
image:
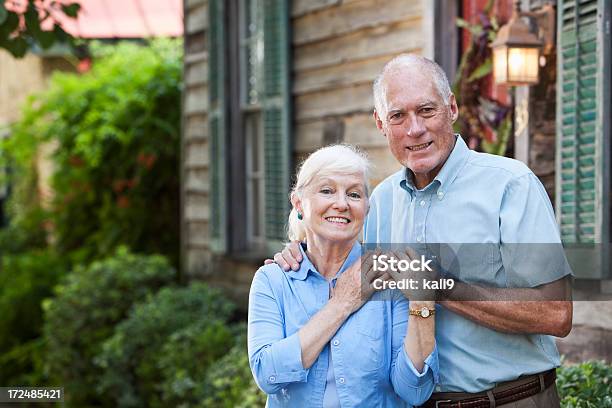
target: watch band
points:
(423, 312)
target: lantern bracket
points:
(545, 22)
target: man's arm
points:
(552, 317)
(533, 258)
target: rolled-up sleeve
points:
(275, 359)
(412, 386)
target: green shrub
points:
(114, 134)
(186, 357)
(229, 382)
(586, 385)
(88, 305)
(132, 359)
(26, 279)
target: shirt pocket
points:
(368, 349)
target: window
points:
(249, 123)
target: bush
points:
(229, 382)
(26, 280)
(114, 134)
(135, 367)
(586, 385)
(89, 303)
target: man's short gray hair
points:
(410, 60)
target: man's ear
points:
(454, 109)
(379, 123)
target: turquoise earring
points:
(299, 215)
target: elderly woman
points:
(314, 338)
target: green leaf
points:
(10, 24)
(46, 39)
(472, 28)
(71, 10)
(3, 12)
(17, 47)
(483, 70)
(31, 20)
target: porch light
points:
(516, 51)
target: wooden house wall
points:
(195, 148)
(338, 47)
(19, 78)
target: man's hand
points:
(289, 258)
(416, 291)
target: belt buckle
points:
(441, 402)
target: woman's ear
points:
(296, 202)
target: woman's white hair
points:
(327, 161)
(409, 60)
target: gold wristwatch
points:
(423, 312)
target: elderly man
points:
(491, 352)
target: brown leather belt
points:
(512, 391)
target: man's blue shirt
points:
(370, 365)
(494, 202)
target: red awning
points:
(126, 19)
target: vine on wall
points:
(484, 122)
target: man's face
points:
(417, 123)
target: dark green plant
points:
(114, 134)
(26, 279)
(585, 385)
(186, 357)
(87, 306)
(132, 359)
(21, 24)
(229, 382)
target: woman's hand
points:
(354, 287)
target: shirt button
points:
(440, 194)
(419, 239)
(272, 378)
(336, 342)
(341, 380)
(422, 203)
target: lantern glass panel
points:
(500, 64)
(523, 65)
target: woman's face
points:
(334, 208)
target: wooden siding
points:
(19, 78)
(195, 185)
(338, 49)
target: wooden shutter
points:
(217, 125)
(583, 158)
(276, 116)
(580, 136)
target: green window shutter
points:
(582, 175)
(217, 125)
(579, 125)
(276, 115)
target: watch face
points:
(425, 312)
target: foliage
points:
(87, 306)
(114, 134)
(186, 357)
(229, 381)
(33, 23)
(25, 280)
(133, 358)
(483, 121)
(586, 385)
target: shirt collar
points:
(448, 172)
(307, 266)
